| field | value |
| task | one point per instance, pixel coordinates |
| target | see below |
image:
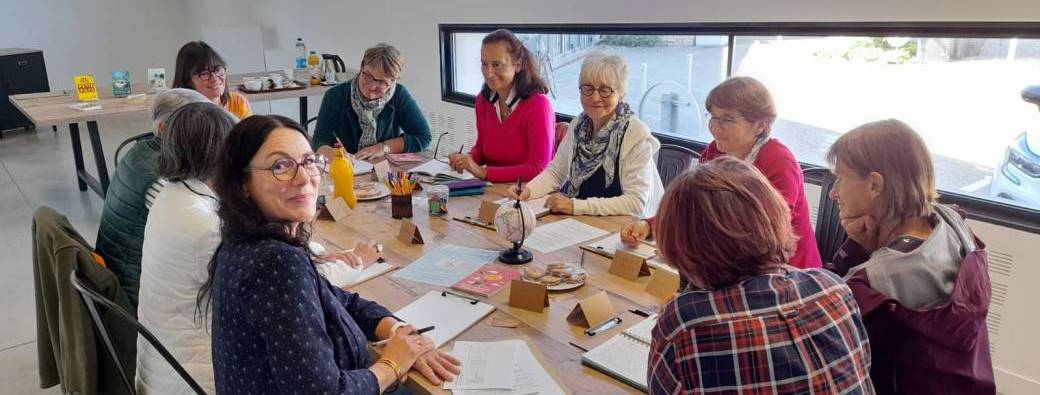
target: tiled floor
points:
(36, 169)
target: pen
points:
(639, 312)
(460, 151)
(418, 332)
(603, 327)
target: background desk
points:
(550, 331)
(52, 109)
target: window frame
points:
(990, 211)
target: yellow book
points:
(86, 89)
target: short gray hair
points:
(607, 68)
(169, 101)
(193, 141)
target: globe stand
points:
(516, 255)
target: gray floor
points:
(36, 169)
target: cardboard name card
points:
(628, 266)
(338, 208)
(664, 283)
(382, 169)
(592, 311)
(409, 233)
(528, 295)
(487, 212)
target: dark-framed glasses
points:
(604, 91)
(208, 74)
(725, 122)
(285, 169)
(382, 84)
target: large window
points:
(963, 87)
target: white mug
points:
(253, 84)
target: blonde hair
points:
(894, 150)
(602, 67)
(386, 58)
(747, 96)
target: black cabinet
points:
(21, 71)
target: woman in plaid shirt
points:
(748, 323)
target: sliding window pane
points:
(964, 96)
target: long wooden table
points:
(52, 109)
(550, 331)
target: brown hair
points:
(386, 57)
(747, 96)
(723, 222)
(894, 150)
(528, 80)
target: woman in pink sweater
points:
(515, 119)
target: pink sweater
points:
(522, 146)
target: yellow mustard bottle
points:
(341, 170)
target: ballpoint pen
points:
(418, 332)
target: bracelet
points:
(393, 366)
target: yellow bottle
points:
(314, 66)
(341, 170)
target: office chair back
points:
(829, 233)
(672, 160)
(126, 142)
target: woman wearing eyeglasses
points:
(372, 114)
(278, 326)
(605, 164)
(741, 113)
(199, 67)
(515, 120)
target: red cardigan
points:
(779, 165)
(521, 146)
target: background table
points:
(52, 109)
(549, 331)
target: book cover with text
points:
(86, 89)
(487, 280)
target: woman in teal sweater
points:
(372, 114)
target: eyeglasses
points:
(604, 91)
(437, 149)
(383, 84)
(725, 122)
(206, 75)
(285, 169)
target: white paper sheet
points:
(342, 275)
(561, 234)
(537, 205)
(434, 167)
(529, 376)
(446, 265)
(449, 314)
(489, 365)
(610, 244)
(362, 166)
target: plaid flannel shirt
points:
(797, 332)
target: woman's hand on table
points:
(463, 162)
(633, 233)
(560, 204)
(370, 152)
(438, 366)
(362, 256)
(514, 194)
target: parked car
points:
(1017, 177)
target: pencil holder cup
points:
(438, 199)
(401, 206)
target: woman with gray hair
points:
(605, 164)
(131, 193)
(182, 233)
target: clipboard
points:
(451, 313)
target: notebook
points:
(343, 275)
(362, 166)
(625, 355)
(439, 171)
(450, 314)
(487, 280)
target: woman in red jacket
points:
(741, 112)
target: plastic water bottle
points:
(301, 54)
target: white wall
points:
(97, 36)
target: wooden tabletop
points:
(52, 108)
(549, 331)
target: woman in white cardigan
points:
(605, 164)
(181, 235)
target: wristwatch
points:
(386, 149)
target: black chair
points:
(672, 160)
(307, 126)
(126, 142)
(829, 233)
(92, 298)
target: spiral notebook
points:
(625, 355)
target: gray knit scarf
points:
(593, 149)
(368, 111)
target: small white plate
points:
(381, 191)
(561, 286)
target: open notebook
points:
(625, 355)
(439, 172)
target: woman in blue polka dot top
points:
(278, 326)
